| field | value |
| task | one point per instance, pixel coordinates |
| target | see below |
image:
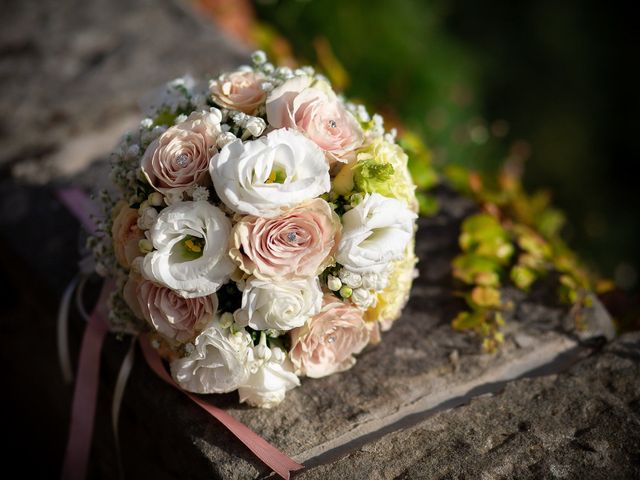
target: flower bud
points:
(255, 126)
(333, 283)
(155, 199)
(349, 278)
(226, 320)
(225, 138)
(345, 292)
(145, 246)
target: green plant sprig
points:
(516, 240)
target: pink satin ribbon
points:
(80, 206)
(86, 389)
(270, 455)
(85, 394)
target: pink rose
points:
(239, 91)
(174, 317)
(317, 112)
(179, 158)
(327, 343)
(125, 234)
(297, 244)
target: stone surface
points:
(72, 73)
(583, 423)
(421, 365)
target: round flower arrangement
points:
(263, 231)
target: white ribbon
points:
(64, 357)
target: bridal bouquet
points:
(263, 230)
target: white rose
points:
(281, 306)
(219, 363)
(375, 232)
(191, 255)
(277, 171)
(270, 379)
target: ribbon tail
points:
(83, 408)
(80, 297)
(80, 206)
(118, 394)
(64, 357)
(267, 453)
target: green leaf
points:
(468, 320)
(468, 267)
(428, 204)
(424, 176)
(483, 228)
(523, 276)
(485, 297)
(165, 117)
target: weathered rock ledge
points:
(421, 366)
(581, 423)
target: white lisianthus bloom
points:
(264, 176)
(375, 232)
(280, 306)
(218, 363)
(191, 252)
(270, 378)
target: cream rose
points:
(264, 176)
(179, 158)
(279, 305)
(191, 254)
(219, 363)
(125, 234)
(316, 111)
(375, 232)
(296, 244)
(173, 316)
(239, 91)
(327, 343)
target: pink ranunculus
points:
(297, 244)
(174, 317)
(179, 158)
(239, 91)
(125, 234)
(316, 111)
(327, 343)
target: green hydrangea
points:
(382, 168)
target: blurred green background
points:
(549, 84)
